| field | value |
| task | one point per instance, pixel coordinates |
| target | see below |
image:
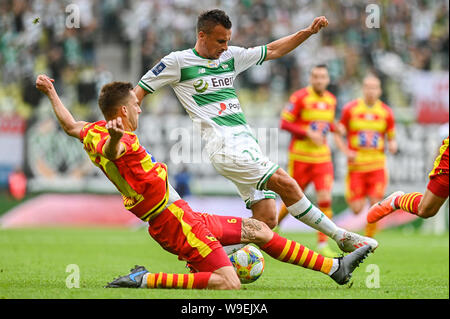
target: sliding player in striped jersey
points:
(202, 79)
(194, 237)
(423, 205)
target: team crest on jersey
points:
(158, 68)
(321, 106)
(289, 107)
(200, 86)
(212, 64)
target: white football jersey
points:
(205, 87)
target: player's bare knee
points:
(356, 207)
(283, 184)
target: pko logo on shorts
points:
(158, 68)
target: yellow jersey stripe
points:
(203, 249)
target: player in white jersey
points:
(202, 78)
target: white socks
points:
(306, 212)
(232, 248)
(334, 267)
(144, 281)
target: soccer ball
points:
(248, 263)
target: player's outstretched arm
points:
(68, 123)
(283, 46)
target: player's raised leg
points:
(301, 208)
(423, 205)
(426, 205)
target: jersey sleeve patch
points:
(158, 68)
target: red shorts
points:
(196, 237)
(366, 184)
(438, 185)
(320, 174)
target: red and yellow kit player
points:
(309, 116)
(194, 237)
(423, 205)
(140, 179)
(146, 192)
(369, 124)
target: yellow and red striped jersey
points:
(441, 163)
(366, 130)
(308, 109)
(141, 180)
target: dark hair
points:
(320, 66)
(207, 20)
(113, 95)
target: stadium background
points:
(121, 40)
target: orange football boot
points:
(382, 208)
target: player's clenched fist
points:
(44, 84)
(115, 128)
(317, 24)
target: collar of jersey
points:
(197, 54)
(375, 105)
(314, 93)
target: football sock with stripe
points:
(325, 207)
(408, 202)
(197, 280)
(307, 213)
(294, 253)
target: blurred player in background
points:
(193, 237)
(202, 79)
(423, 205)
(367, 123)
(309, 116)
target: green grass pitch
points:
(33, 266)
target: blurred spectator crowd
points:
(35, 38)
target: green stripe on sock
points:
(304, 213)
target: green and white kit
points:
(205, 89)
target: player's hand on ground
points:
(115, 128)
(44, 84)
(317, 24)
